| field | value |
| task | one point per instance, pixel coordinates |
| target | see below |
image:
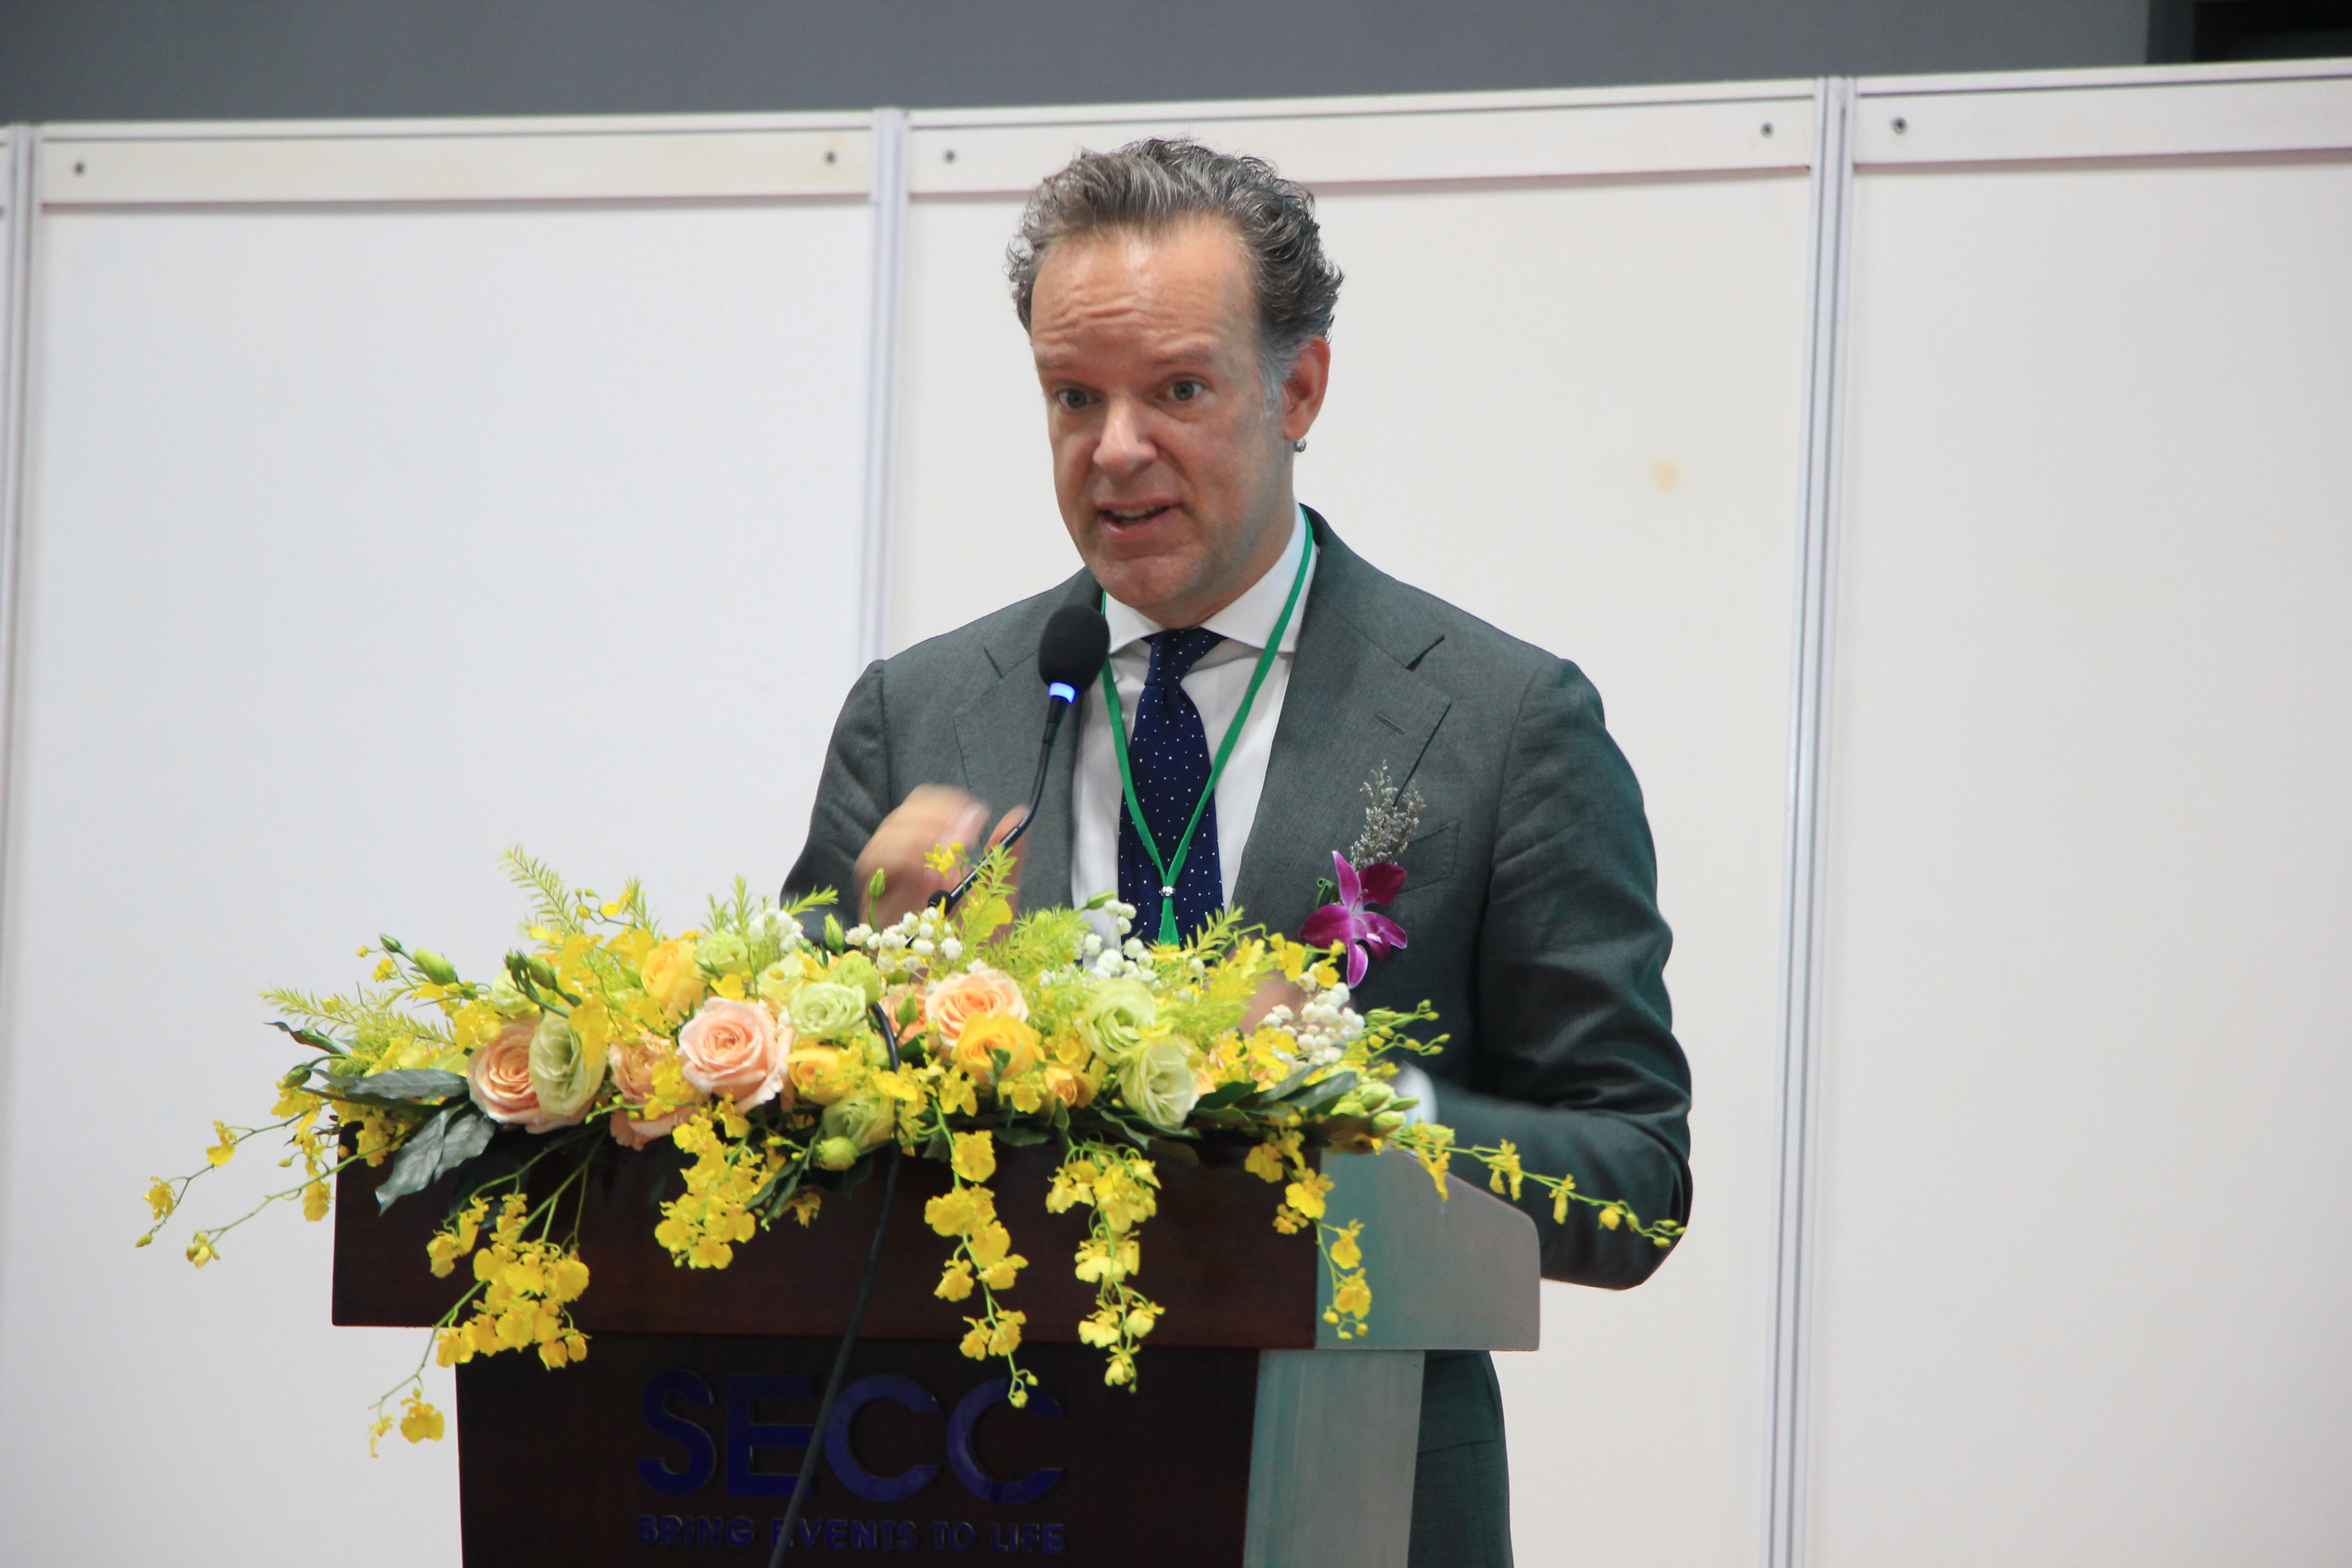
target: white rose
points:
(1158, 1084)
(566, 1074)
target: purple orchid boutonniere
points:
(1391, 820)
(1367, 934)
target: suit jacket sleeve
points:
(852, 795)
(1575, 1061)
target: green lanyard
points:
(1170, 870)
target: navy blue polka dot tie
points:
(1168, 752)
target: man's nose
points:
(1125, 445)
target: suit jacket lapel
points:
(998, 733)
(1353, 705)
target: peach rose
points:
(735, 1049)
(960, 998)
(633, 1073)
(987, 1035)
(499, 1077)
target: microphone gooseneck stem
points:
(805, 1480)
(947, 902)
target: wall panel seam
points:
(16, 420)
(888, 162)
(1826, 278)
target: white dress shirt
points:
(1215, 685)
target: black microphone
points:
(1070, 654)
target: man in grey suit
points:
(1179, 304)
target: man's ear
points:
(1303, 388)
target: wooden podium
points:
(1254, 1437)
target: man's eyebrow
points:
(1203, 352)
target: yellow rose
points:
(820, 1074)
(987, 1035)
(672, 978)
(1074, 1089)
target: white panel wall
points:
(1575, 411)
(2085, 1266)
(369, 522)
(360, 542)
(1572, 408)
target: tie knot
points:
(1175, 652)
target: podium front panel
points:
(677, 1448)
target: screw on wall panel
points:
(79, 167)
(1901, 125)
(1767, 128)
(950, 154)
(831, 156)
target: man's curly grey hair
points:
(1157, 184)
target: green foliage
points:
(374, 1020)
(1039, 941)
(552, 903)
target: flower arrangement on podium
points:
(782, 1062)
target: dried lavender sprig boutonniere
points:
(1390, 822)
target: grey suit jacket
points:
(1529, 900)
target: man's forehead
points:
(1186, 268)
(1169, 345)
(1172, 297)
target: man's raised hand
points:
(932, 816)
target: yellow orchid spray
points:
(750, 1043)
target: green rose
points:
(723, 953)
(826, 1010)
(858, 970)
(776, 982)
(1158, 1084)
(506, 998)
(866, 1119)
(1115, 1017)
(836, 1153)
(564, 1074)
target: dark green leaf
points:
(1225, 1094)
(450, 1138)
(1127, 1129)
(1274, 1096)
(468, 1133)
(391, 1088)
(1021, 1135)
(1330, 1092)
(418, 1161)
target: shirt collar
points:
(1248, 620)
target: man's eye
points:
(1185, 390)
(1071, 398)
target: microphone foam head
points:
(1071, 652)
